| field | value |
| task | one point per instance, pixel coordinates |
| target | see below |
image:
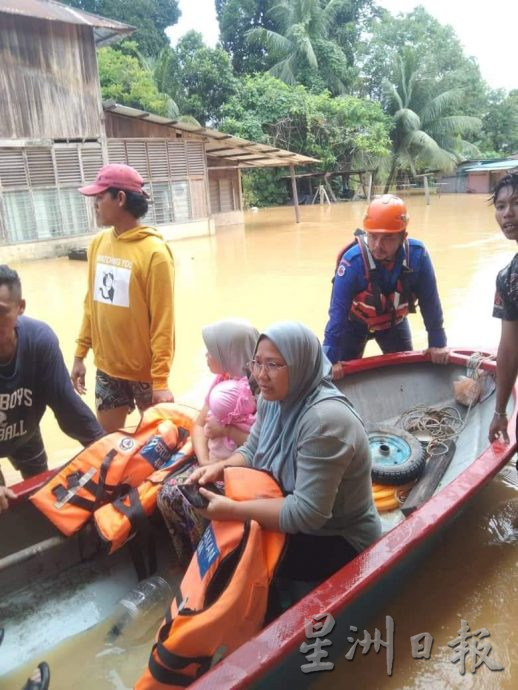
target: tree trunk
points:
(391, 174)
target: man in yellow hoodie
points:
(128, 318)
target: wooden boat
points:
(53, 588)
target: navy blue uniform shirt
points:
(350, 280)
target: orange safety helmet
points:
(386, 213)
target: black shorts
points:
(111, 393)
(30, 458)
(314, 558)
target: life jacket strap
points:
(406, 272)
(142, 546)
(371, 273)
(64, 496)
(103, 473)
(165, 675)
(174, 661)
(100, 491)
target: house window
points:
(173, 171)
(38, 191)
(74, 215)
(47, 212)
(181, 201)
(19, 220)
(162, 203)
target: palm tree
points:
(425, 134)
(301, 48)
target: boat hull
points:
(42, 572)
(363, 587)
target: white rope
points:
(441, 423)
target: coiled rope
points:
(443, 424)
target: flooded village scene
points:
(247, 202)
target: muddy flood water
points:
(270, 269)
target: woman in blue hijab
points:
(314, 444)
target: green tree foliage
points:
(199, 79)
(500, 125)
(352, 19)
(442, 60)
(300, 45)
(127, 81)
(235, 18)
(149, 17)
(343, 132)
(265, 187)
(424, 134)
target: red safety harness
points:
(371, 306)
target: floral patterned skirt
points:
(185, 524)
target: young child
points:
(231, 403)
(222, 426)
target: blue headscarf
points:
(309, 379)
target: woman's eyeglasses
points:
(271, 368)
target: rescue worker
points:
(378, 281)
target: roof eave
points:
(270, 156)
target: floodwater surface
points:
(271, 268)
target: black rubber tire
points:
(400, 473)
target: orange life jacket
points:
(120, 519)
(114, 464)
(224, 593)
(376, 310)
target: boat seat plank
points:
(428, 483)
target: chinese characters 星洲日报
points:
(319, 626)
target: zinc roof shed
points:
(489, 166)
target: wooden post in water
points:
(369, 190)
(295, 194)
(426, 190)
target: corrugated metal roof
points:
(219, 145)
(105, 30)
(508, 164)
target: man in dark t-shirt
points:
(505, 200)
(33, 376)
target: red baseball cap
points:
(116, 175)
